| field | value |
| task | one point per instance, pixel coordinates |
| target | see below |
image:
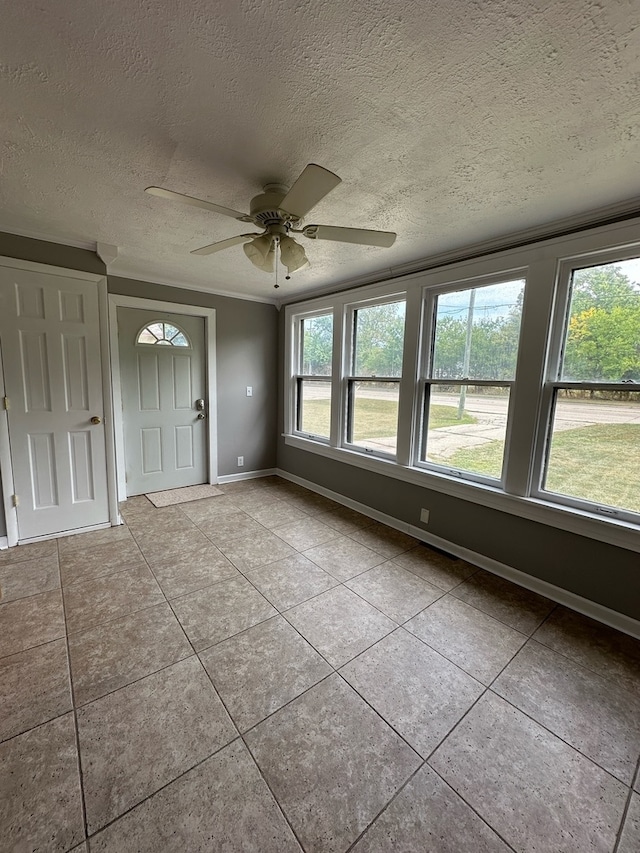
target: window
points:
(470, 370)
(164, 334)
(593, 447)
(373, 381)
(313, 379)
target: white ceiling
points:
(449, 122)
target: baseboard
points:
(596, 611)
(4, 542)
(247, 475)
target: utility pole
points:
(467, 353)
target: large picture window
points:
(470, 369)
(373, 382)
(593, 447)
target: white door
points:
(50, 337)
(162, 374)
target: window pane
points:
(466, 428)
(602, 339)
(374, 415)
(145, 337)
(595, 447)
(314, 401)
(477, 332)
(316, 345)
(379, 340)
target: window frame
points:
(552, 383)
(298, 378)
(541, 261)
(425, 382)
(349, 378)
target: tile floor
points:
(269, 671)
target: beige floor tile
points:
(599, 717)
(261, 669)
(515, 606)
(428, 816)
(385, 540)
(275, 514)
(417, 691)
(207, 509)
(140, 738)
(346, 520)
(251, 552)
(32, 551)
(305, 534)
(220, 611)
(195, 568)
(332, 764)
(309, 502)
(107, 536)
(34, 687)
(592, 644)
(535, 791)
(291, 581)
(437, 568)
(221, 805)
(630, 837)
(339, 624)
(107, 657)
(156, 520)
(471, 639)
(96, 561)
(166, 544)
(96, 601)
(31, 621)
(343, 558)
(29, 577)
(398, 593)
(40, 806)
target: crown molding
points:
(48, 238)
(135, 276)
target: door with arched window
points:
(162, 372)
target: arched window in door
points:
(165, 334)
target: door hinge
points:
(15, 499)
(5, 403)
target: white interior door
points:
(50, 337)
(162, 375)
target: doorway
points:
(163, 367)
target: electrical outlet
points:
(424, 516)
(240, 461)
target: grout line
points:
(83, 805)
(627, 806)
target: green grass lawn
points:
(598, 463)
(374, 418)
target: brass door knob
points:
(95, 420)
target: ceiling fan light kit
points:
(278, 210)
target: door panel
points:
(50, 336)
(165, 440)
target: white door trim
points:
(6, 467)
(209, 315)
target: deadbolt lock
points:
(200, 404)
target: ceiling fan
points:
(278, 211)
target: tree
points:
(379, 340)
(603, 338)
(317, 345)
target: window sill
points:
(612, 531)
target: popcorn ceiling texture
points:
(449, 122)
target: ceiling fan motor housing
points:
(266, 211)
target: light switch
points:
(249, 391)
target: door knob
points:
(95, 420)
(201, 416)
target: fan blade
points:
(194, 202)
(313, 184)
(362, 236)
(222, 244)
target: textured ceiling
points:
(449, 122)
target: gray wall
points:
(599, 572)
(246, 351)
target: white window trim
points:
(544, 263)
